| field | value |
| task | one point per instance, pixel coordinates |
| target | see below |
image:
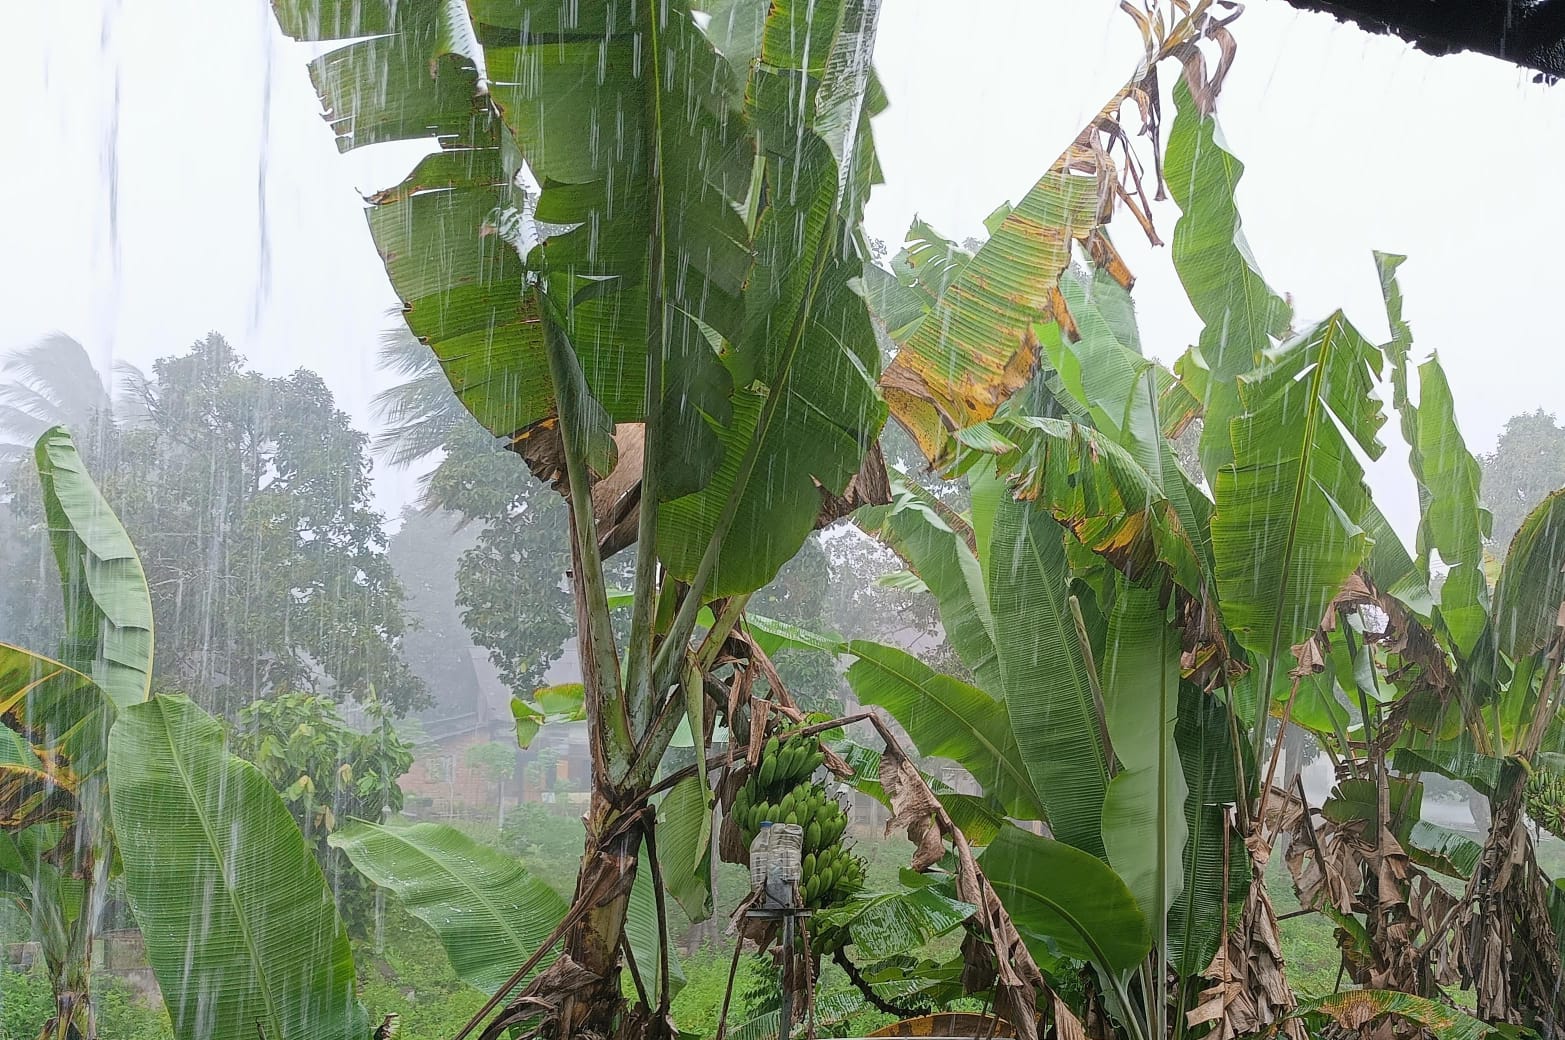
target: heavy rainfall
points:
(768, 518)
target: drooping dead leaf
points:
(913, 808)
(1249, 992)
(1066, 1025)
(31, 796)
(543, 996)
(1004, 961)
(977, 346)
(1503, 938)
(870, 486)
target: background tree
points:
(327, 773)
(510, 558)
(1526, 464)
(250, 498)
(424, 552)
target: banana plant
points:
(1140, 582)
(57, 848)
(636, 253)
(240, 925)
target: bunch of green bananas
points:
(780, 790)
(830, 875)
(1546, 801)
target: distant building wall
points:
(440, 773)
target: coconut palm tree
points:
(52, 382)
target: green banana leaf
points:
(807, 333)
(1075, 900)
(1457, 759)
(741, 343)
(108, 609)
(976, 816)
(947, 718)
(488, 911)
(1241, 315)
(1207, 754)
(1130, 398)
(1286, 533)
(641, 933)
(1144, 823)
(1048, 688)
(240, 925)
(1403, 580)
(1454, 522)
(1452, 853)
(890, 923)
(1531, 589)
(916, 528)
(684, 839)
(907, 289)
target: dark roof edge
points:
(1530, 35)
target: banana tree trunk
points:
(73, 1014)
(74, 1017)
(1507, 944)
(608, 869)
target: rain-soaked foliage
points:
(788, 636)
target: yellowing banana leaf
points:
(54, 706)
(1357, 1009)
(1092, 485)
(977, 345)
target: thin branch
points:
(728, 993)
(635, 971)
(880, 1003)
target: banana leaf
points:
(240, 925)
(1073, 899)
(947, 718)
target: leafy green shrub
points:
(327, 774)
(26, 1003)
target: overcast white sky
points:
(167, 173)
